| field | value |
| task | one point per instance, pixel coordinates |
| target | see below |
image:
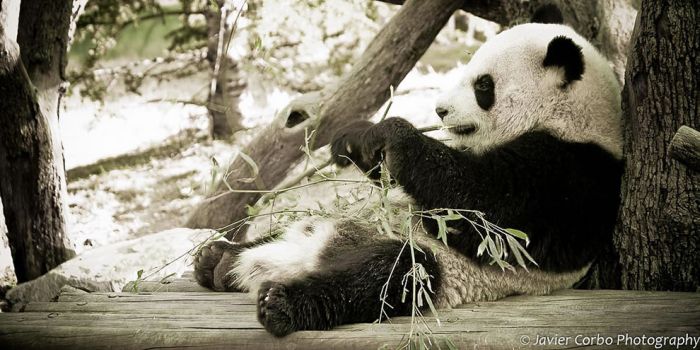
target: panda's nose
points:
(441, 112)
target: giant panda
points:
(535, 144)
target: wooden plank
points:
(190, 307)
(227, 320)
(478, 323)
(176, 285)
(229, 298)
(62, 337)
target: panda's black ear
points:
(563, 52)
(547, 13)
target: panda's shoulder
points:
(545, 146)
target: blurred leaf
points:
(482, 247)
(451, 215)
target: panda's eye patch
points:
(484, 91)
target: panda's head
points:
(532, 77)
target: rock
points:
(109, 268)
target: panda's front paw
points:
(275, 312)
(386, 137)
(346, 144)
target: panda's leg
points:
(345, 289)
(213, 262)
(225, 266)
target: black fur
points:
(346, 289)
(548, 13)
(564, 195)
(484, 91)
(563, 52)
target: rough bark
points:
(386, 61)
(658, 231)
(43, 37)
(222, 104)
(29, 183)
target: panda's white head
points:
(532, 77)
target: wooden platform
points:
(182, 314)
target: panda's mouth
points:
(466, 129)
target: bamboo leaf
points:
(493, 250)
(442, 229)
(482, 247)
(429, 301)
(527, 255)
(515, 248)
(517, 233)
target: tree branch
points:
(146, 17)
(685, 147)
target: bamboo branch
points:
(285, 185)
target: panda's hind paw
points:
(274, 310)
(209, 269)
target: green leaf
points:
(517, 233)
(429, 301)
(527, 255)
(493, 251)
(417, 247)
(515, 248)
(251, 210)
(139, 273)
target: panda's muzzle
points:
(462, 129)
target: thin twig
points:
(291, 183)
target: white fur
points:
(295, 254)
(529, 97)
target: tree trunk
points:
(32, 182)
(658, 231)
(386, 61)
(222, 104)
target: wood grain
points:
(80, 320)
